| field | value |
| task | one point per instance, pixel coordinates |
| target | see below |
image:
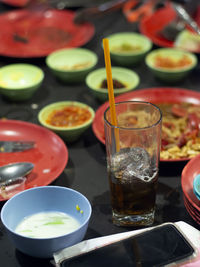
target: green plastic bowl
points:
(19, 82)
(170, 75)
(69, 134)
(128, 48)
(71, 65)
(123, 75)
(188, 41)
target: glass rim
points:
(132, 128)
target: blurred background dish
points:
(128, 48)
(18, 82)
(170, 65)
(45, 199)
(71, 65)
(153, 25)
(124, 80)
(69, 119)
(188, 40)
(15, 3)
(49, 156)
(37, 34)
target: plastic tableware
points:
(50, 154)
(196, 186)
(46, 199)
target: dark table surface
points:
(86, 168)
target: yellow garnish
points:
(78, 208)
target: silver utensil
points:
(184, 15)
(171, 30)
(13, 171)
(15, 146)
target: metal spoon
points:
(13, 171)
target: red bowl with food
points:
(69, 119)
(181, 120)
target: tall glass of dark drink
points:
(133, 150)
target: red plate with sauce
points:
(154, 95)
(27, 34)
(152, 25)
(49, 156)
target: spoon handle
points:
(183, 14)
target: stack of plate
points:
(192, 203)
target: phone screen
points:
(158, 247)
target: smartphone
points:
(164, 245)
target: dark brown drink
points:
(133, 196)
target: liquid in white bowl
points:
(47, 225)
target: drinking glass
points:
(133, 151)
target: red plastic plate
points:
(154, 95)
(27, 34)
(190, 210)
(190, 171)
(153, 24)
(49, 156)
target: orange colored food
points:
(170, 63)
(69, 116)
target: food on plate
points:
(188, 40)
(168, 62)
(180, 130)
(116, 84)
(68, 116)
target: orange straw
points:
(110, 89)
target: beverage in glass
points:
(133, 149)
